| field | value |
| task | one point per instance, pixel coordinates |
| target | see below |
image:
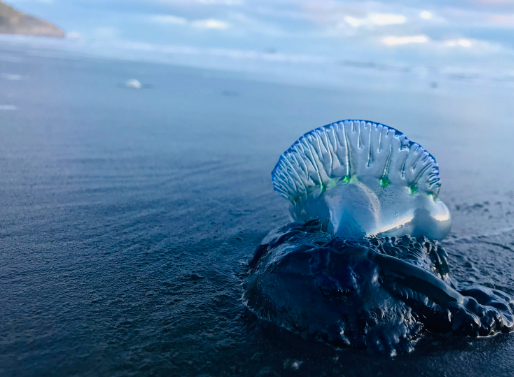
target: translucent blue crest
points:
(363, 179)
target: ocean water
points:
(127, 216)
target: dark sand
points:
(127, 217)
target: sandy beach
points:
(128, 215)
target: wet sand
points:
(127, 216)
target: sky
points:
(463, 37)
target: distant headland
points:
(16, 22)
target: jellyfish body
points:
(364, 179)
(360, 265)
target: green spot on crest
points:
(384, 182)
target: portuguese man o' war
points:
(366, 179)
(360, 265)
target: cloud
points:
(459, 46)
(386, 19)
(73, 35)
(8, 108)
(223, 2)
(479, 47)
(14, 2)
(495, 2)
(395, 41)
(210, 24)
(501, 19)
(203, 2)
(458, 43)
(426, 15)
(169, 19)
(12, 76)
(376, 19)
(255, 25)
